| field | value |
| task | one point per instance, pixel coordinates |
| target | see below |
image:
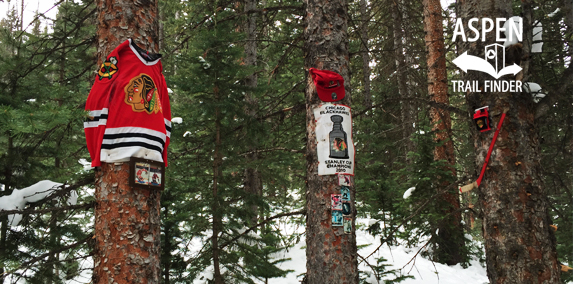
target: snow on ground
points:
(424, 271)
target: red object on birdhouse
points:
(482, 120)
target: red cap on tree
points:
(329, 85)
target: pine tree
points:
(122, 211)
(519, 244)
(331, 255)
(207, 181)
(450, 239)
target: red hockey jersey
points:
(129, 111)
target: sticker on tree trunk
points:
(344, 180)
(336, 202)
(336, 218)
(345, 192)
(334, 137)
(346, 208)
(347, 225)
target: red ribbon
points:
(490, 150)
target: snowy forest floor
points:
(398, 257)
(407, 261)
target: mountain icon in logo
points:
(469, 62)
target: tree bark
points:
(119, 20)
(167, 247)
(331, 255)
(217, 159)
(519, 244)
(127, 222)
(127, 229)
(364, 12)
(451, 234)
(3, 237)
(253, 179)
(406, 112)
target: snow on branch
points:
(34, 193)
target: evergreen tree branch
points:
(58, 45)
(422, 100)
(26, 264)
(271, 150)
(267, 220)
(47, 210)
(418, 210)
(60, 193)
(371, 267)
(282, 60)
(414, 257)
(201, 22)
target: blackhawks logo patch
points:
(141, 94)
(108, 68)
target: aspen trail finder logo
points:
(493, 62)
(469, 62)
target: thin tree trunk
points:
(3, 237)
(402, 79)
(567, 6)
(127, 220)
(253, 179)
(217, 277)
(7, 191)
(167, 248)
(519, 244)
(365, 54)
(331, 255)
(450, 234)
(22, 17)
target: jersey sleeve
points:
(97, 106)
(166, 117)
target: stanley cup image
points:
(338, 140)
(492, 53)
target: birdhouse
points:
(482, 120)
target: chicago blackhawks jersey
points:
(129, 111)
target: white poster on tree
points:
(334, 136)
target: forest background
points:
(46, 72)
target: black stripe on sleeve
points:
(134, 135)
(96, 118)
(131, 144)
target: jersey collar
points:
(135, 49)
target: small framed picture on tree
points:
(146, 174)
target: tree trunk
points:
(217, 159)
(253, 179)
(519, 244)
(22, 17)
(567, 6)
(127, 222)
(119, 20)
(8, 188)
(331, 255)
(167, 246)
(364, 12)
(3, 237)
(406, 112)
(127, 229)
(451, 234)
